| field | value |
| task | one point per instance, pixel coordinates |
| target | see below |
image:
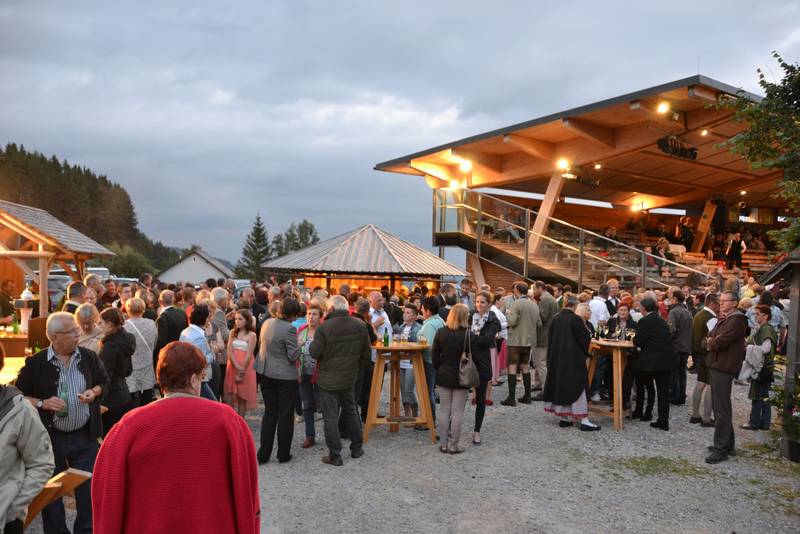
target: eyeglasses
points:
(727, 300)
(73, 332)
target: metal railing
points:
(464, 201)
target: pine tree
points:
(256, 252)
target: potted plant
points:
(790, 439)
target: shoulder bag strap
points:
(146, 344)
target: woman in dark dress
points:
(565, 386)
(485, 325)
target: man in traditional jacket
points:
(565, 386)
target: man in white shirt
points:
(598, 306)
(379, 318)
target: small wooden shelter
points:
(788, 273)
(367, 258)
(31, 234)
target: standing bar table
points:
(392, 355)
(619, 355)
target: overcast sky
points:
(208, 113)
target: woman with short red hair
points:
(158, 466)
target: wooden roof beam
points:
(486, 168)
(657, 179)
(696, 163)
(702, 93)
(437, 176)
(533, 147)
(591, 131)
(25, 231)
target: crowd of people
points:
(203, 352)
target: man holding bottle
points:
(65, 382)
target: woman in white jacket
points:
(26, 456)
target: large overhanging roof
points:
(620, 136)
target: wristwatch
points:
(39, 404)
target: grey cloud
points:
(208, 115)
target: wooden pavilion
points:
(29, 234)
(660, 147)
(365, 258)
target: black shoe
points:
(565, 424)
(589, 428)
(524, 400)
(537, 388)
(710, 424)
(357, 453)
(333, 460)
(508, 402)
(731, 452)
(538, 398)
(287, 459)
(660, 426)
(636, 415)
(695, 420)
(647, 417)
(716, 457)
(262, 458)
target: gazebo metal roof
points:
(365, 250)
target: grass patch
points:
(785, 498)
(659, 465)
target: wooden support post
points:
(44, 272)
(475, 269)
(546, 210)
(703, 226)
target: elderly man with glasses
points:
(64, 383)
(725, 344)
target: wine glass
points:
(618, 333)
(395, 339)
(422, 340)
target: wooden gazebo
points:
(30, 234)
(366, 257)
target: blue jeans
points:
(599, 373)
(79, 450)
(761, 410)
(430, 378)
(309, 403)
(206, 393)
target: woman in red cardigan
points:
(162, 467)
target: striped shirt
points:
(70, 375)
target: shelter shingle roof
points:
(65, 236)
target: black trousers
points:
(14, 527)
(279, 397)
(644, 381)
(661, 389)
(480, 403)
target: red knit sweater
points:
(177, 465)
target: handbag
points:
(467, 371)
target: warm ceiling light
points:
(562, 164)
(465, 165)
(743, 192)
(662, 107)
(704, 132)
(597, 166)
(454, 185)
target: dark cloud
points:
(209, 115)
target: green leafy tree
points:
(290, 239)
(772, 140)
(257, 250)
(279, 246)
(127, 261)
(306, 234)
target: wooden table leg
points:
(394, 398)
(426, 414)
(617, 357)
(374, 396)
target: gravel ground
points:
(529, 475)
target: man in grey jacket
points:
(680, 325)
(26, 456)
(523, 320)
(548, 308)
